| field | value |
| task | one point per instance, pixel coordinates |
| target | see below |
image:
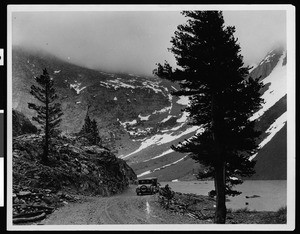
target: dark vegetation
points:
(222, 98)
(48, 112)
(90, 131)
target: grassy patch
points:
(278, 217)
(203, 208)
(243, 210)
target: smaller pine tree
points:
(90, 130)
(87, 125)
(95, 138)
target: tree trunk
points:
(220, 214)
(46, 143)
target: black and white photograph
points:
(151, 117)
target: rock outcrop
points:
(21, 124)
(83, 169)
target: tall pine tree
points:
(49, 112)
(222, 99)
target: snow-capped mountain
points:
(271, 119)
(140, 119)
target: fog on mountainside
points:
(134, 41)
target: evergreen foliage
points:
(222, 98)
(86, 128)
(90, 131)
(49, 112)
(95, 133)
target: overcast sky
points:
(133, 42)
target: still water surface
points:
(272, 193)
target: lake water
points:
(272, 193)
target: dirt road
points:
(126, 208)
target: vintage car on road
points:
(147, 186)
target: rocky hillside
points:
(74, 168)
(139, 119)
(22, 124)
(115, 99)
(84, 169)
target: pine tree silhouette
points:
(90, 130)
(95, 140)
(49, 112)
(86, 128)
(222, 99)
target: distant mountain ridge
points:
(140, 119)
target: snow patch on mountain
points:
(177, 128)
(56, 72)
(174, 88)
(163, 167)
(161, 155)
(174, 128)
(76, 87)
(104, 84)
(152, 85)
(144, 118)
(183, 118)
(166, 119)
(183, 100)
(253, 66)
(119, 84)
(160, 139)
(272, 130)
(268, 58)
(124, 124)
(276, 90)
(163, 110)
(198, 133)
(138, 132)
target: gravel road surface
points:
(125, 208)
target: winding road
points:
(125, 208)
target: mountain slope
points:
(271, 161)
(138, 117)
(271, 119)
(115, 100)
